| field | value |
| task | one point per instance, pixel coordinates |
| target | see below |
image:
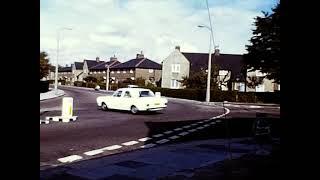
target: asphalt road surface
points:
(96, 129)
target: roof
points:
(133, 89)
(231, 62)
(78, 65)
(103, 66)
(64, 69)
(143, 63)
(92, 63)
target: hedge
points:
(219, 96)
(44, 86)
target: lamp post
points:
(56, 73)
(108, 70)
(210, 52)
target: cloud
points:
(124, 28)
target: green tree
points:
(44, 64)
(90, 79)
(264, 50)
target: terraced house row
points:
(232, 73)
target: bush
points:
(91, 84)
(44, 86)
(79, 84)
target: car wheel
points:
(134, 110)
(104, 106)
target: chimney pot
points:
(177, 48)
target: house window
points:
(278, 87)
(175, 84)
(112, 72)
(104, 72)
(175, 68)
(260, 88)
(223, 72)
(132, 78)
(131, 71)
(118, 71)
(99, 72)
(113, 78)
(94, 72)
(124, 71)
(260, 74)
(150, 70)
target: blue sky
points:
(125, 27)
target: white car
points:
(134, 100)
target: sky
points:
(104, 28)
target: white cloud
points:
(107, 27)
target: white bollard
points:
(67, 107)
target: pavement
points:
(51, 94)
(175, 161)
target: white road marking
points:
(130, 143)
(173, 137)
(69, 158)
(177, 129)
(213, 123)
(206, 125)
(192, 130)
(183, 133)
(255, 106)
(94, 152)
(168, 132)
(218, 121)
(144, 139)
(194, 124)
(201, 127)
(162, 141)
(110, 148)
(157, 135)
(147, 146)
(186, 126)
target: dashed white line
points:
(110, 148)
(201, 127)
(200, 122)
(144, 139)
(148, 145)
(174, 137)
(213, 123)
(130, 143)
(94, 152)
(183, 133)
(162, 141)
(177, 129)
(157, 135)
(218, 121)
(206, 125)
(186, 126)
(192, 130)
(168, 132)
(70, 158)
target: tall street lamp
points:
(210, 52)
(56, 74)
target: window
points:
(104, 72)
(175, 84)
(99, 72)
(117, 94)
(131, 71)
(118, 71)
(127, 94)
(175, 68)
(260, 88)
(146, 94)
(150, 70)
(223, 72)
(112, 72)
(124, 71)
(94, 72)
(259, 74)
(132, 78)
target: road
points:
(96, 129)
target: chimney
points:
(217, 51)
(113, 58)
(97, 59)
(140, 55)
(177, 48)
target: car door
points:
(116, 98)
(127, 100)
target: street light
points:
(56, 74)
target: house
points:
(77, 71)
(99, 71)
(232, 73)
(87, 64)
(140, 67)
(181, 64)
(65, 73)
(267, 85)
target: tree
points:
(44, 65)
(264, 51)
(90, 79)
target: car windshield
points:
(146, 94)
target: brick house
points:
(65, 73)
(140, 67)
(99, 71)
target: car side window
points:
(118, 94)
(127, 94)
